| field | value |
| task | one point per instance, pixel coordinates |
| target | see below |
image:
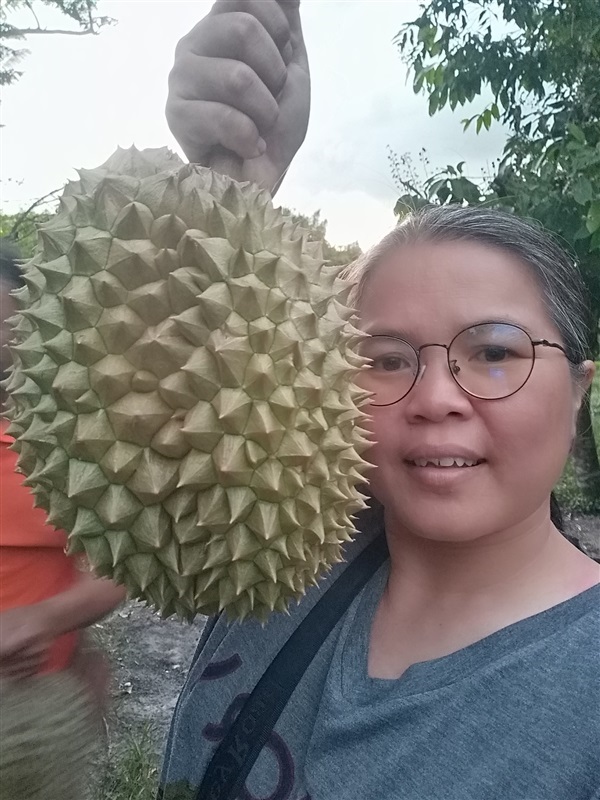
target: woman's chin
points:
(457, 522)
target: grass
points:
(131, 772)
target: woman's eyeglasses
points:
(490, 361)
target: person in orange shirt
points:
(47, 599)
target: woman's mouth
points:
(443, 473)
(445, 462)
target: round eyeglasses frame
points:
(452, 368)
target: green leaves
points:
(443, 187)
(546, 52)
(541, 66)
(582, 190)
(576, 132)
(593, 218)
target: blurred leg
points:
(47, 735)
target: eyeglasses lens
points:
(490, 361)
(393, 371)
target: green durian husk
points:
(184, 388)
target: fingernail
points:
(261, 147)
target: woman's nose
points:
(435, 393)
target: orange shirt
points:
(33, 562)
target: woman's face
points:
(428, 292)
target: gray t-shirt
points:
(515, 716)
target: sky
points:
(81, 96)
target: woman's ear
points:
(588, 370)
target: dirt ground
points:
(151, 656)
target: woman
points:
(466, 667)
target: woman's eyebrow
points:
(399, 333)
(395, 333)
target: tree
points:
(24, 237)
(339, 256)
(20, 229)
(81, 14)
(538, 63)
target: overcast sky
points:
(80, 97)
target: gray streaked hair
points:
(555, 271)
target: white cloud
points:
(351, 215)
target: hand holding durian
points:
(241, 84)
(183, 396)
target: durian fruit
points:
(183, 395)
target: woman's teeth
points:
(450, 461)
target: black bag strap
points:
(241, 746)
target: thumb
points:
(291, 9)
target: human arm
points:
(241, 85)
(27, 632)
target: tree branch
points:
(22, 217)
(30, 7)
(90, 17)
(31, 31)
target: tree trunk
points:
(585, 455)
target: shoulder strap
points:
(241, 746)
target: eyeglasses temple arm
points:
(546, 343)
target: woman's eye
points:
(390, 363)
(493, 354)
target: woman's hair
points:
(554, 270)
(10, 271)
